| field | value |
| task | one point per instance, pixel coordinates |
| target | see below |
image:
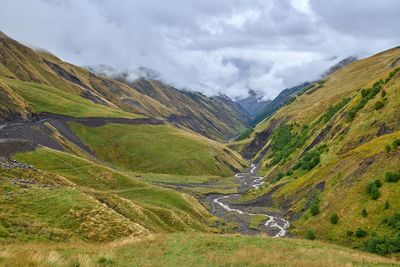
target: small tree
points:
(310, 234)
(388, 148)
(334, 218)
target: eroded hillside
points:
(327, 155)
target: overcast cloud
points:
(213, 46)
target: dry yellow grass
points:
(193, 250)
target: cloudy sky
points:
(208, 45)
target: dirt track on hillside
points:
(26, 136)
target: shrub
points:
(378, 105)
(388, 148)
(365, 92)
(334, 218)
(315, 209)
(383, 93)
(286, 139)
(396, 143)
(245, 134)
(364, 213)
(312, 158)
(387, 206)
(373, 189)
(392, 177)
(310, 234)
(383, 244)
(393, 221)
(332, 110)
(360, 233)
(289, 173)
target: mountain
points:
(208, 116)
(216, 117)
(283, 98)
(96, 171)
(330, 157)
(82, 157)
(254, 103)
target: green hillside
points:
(321, 153)
(159, 149)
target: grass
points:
(43, 98)
(198, 250)
(158, 149)
(118, 197)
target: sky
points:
(212, 46)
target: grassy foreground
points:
(198, 250)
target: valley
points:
(99, 171)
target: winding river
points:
(242, 214)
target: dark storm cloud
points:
(214, 46)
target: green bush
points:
(387, 206)
(393, 221)
(310, 234)
(360, 233)
(289, 173)
(364, 213)
(332, 110)
(383, 93)
(388, 148)
(334, 218)
(396, 143)
(392, 177)
(373, 189)
(311, 158)
(245, 134)
(378, 105)
(383, 244)
(314, 209)
(286, 139)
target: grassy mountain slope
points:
(69, 198)
(159, 149)
(20, 63)
(216, 117)
(320, 152)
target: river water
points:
(242, 214)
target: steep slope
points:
(64, 198)
(321, 153)
(254, 104)
(20, 65)
(216, 117)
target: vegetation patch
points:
(286, 139)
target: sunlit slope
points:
(159, 149)
(69, 198)
(320, 153)
(19, 63)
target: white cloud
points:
(213, 46)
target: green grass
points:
(127, 199)
(157, 149)
(43, 98)
(196, 250)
